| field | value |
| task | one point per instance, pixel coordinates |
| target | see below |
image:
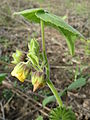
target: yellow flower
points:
(18, 56)
(38, 80)
(21, 71)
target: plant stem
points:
(43, 39)
(53, 89)
(44, 50)
(49, 82)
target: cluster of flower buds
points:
(38, 80)
(23, 69)
(18, 56)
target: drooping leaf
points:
(38, 14)
(29, 14)
(2, 77)
(53, 20)
(77, 84)
(69, 32)
(70, 39)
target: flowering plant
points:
(38, 60)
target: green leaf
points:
(77, 84)
(38, 14)
(52, 98)
(29, 14)
(55, 21)
(39, 117)
(48, 100)
(62, 113)
(2, 77)
(70, 39)
(58, 23)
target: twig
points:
(5, 63)
(66, 66)
(8, 101)
(2, 109)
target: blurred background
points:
(15, 33)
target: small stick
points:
(2, 109)
(5, 63)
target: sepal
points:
(18, 56)
(38, 80)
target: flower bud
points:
(38, 80)
(21, 71)
(19, 56)
(33, 47)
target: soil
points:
(17, 100)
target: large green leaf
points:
(30, 14)
(38, 14)
(69, 32)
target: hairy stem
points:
(49, 82)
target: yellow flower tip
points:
(37, 85)
(18, 75)
(12, 73)
(20, 71)
(38, 80)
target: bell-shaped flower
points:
(21, 71)
(18, 56)
(38, 80)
